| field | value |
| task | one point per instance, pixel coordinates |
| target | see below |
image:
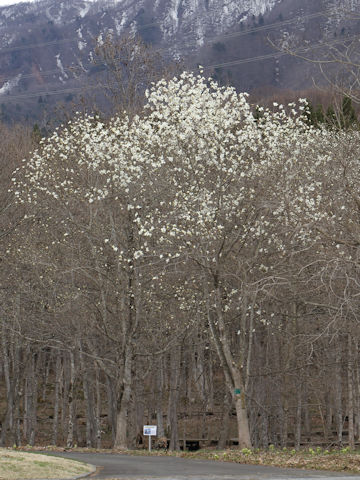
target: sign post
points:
(150, 431)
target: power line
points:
(45, 73)
(279, 54)
(245, 60)
(207, 67)
(263, 27)
(192, 44)
(56, 42)
(45, 93)
(38, 45)
(155, 24)
(160, 50)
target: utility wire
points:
(38, 45)
(236, 62)
(57, 42)
(261, 28)
(46, 93)
(160, 50)
(281, 54)
(192, 44)
(259, 58)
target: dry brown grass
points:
(311, 458)
(15, 465)
(339, 460)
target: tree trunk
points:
(71, 403)
(242, 421)
(47, 361)
(350, 367)
(159, 399)
(7, 421)
(98, 406)
(121, 438)
(35, 358)
(225, 421)
(13, 379)
(231, 368)
(173, 397)
(338, 393)
(111, 404)
(298, 418)
(58, 376)
(89, 403)
(357, 391)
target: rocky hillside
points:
(42, 44)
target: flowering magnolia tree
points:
(195, 183)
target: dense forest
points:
(190, 262)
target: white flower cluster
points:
(197, 175)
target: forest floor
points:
(339, 460)
(311, 458)
(17, 464)
(342, 460)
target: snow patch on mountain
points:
(83, 11)
(7, 12)
(81, 43)
(194, 19)
(173, 14)
(120, 24)
(346, 8)
(10, 84)
(60, 66)
(201, 18)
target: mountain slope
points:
(40, 41)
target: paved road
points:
(127, 467)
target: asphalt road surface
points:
(127, 467)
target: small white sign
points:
(150, 430)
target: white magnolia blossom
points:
(198, 175)
(191, 167)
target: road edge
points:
(77, 477)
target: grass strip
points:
(15, 464)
